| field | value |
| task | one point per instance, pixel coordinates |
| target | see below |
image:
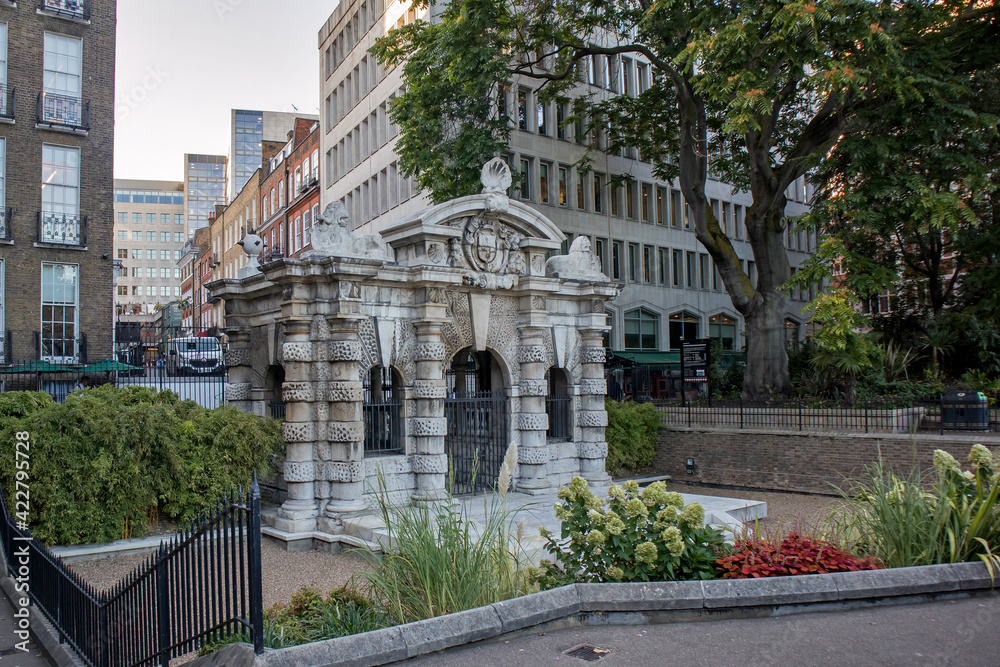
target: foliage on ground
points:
(438, 560)
(642, 535)
(952, 516)
(795, 554)
(103, 460)
(631, 434)
(310, 617)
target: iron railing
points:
(383, 427)
(8, 102)
(62, 228)
(560, 411)
(885, 416)
(477, 439)
(74, 9)
(6, 224)
(201, 586)
(63, 111)
(276, 409)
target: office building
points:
(57, 86)
(150, 232)
(204, 187)
(641, 231)
(249, 130)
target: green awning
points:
(108, 365)
(649, 358)
(41, 367)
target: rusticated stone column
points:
(237, 360)
(342, 434)
(429, 426)
(533, 420)
(592, 417)
(299, 511)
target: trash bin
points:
(964, 411)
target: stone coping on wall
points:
(971, 437)
(631, 603)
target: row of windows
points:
(356, 85)
(164, 218)
(153, 272)
(148, 290)
(377, 195)
(165, 237)
(359, 144)
(641, 330)
(148, 197)
(354, 29)
(137, 253)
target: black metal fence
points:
(382, 408)
(477, 440)
(159, 357)
(560, 411)
(803, 415)
(202, 586)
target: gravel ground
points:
(284, 572)
(802, 511)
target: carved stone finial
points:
(496, 180)
(331, 236)
(579, 264)
(252, 245)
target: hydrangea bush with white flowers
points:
(637, 535)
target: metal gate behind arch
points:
(478, 431)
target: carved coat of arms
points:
(488, 244)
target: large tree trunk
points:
(767, 361)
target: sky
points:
(182, 66)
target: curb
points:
(769, 596)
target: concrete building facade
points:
(150, 232)
(641, 232)
(57, 69)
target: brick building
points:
(57, 69)
(290, 193)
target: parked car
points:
(194, 356)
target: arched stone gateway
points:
(381, 337)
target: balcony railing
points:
(62, 228)
(73, 9)
(63, 111)
(8, 102)
(6, 218)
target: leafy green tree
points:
(766, 88)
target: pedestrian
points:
(83, 384)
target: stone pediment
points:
(494, 239)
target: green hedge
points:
(631, 435)
(102, 460)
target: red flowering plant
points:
(756, 557)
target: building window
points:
(60, 305)
(616, 260)
(703, 269)
(543, 182)
(122, 235)
(562, 186)
(615, 205)
(522, 109)
(723, 328)
(598, 192)
(581, 191)
(178, 218)
(678, 263)
(630, 200)
(633, 251)
(675, 208)
(2, 329)
(600, 246)
(62, 80)
(543, 118)
(122, 216)
(648, 270)
(662, 259)
(561, 120)
(791, 334)
(164, 237)
(661, 206)
(151, 218)
(151, 237)
(164, 218)
(683, 326)
(641, 330)
(525, 178)
(690, 270)
(647, 202)
(61, 195)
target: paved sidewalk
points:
(9, 653)
(962, 632)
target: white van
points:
(194, 355)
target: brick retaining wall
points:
(793, 461)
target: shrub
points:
(17, 404)
(647, 535)
(897, 520)
(100, 461)
(796, 554)
(631, 435)
(438, 560)
(309, 617)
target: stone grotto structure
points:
(423, 353)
